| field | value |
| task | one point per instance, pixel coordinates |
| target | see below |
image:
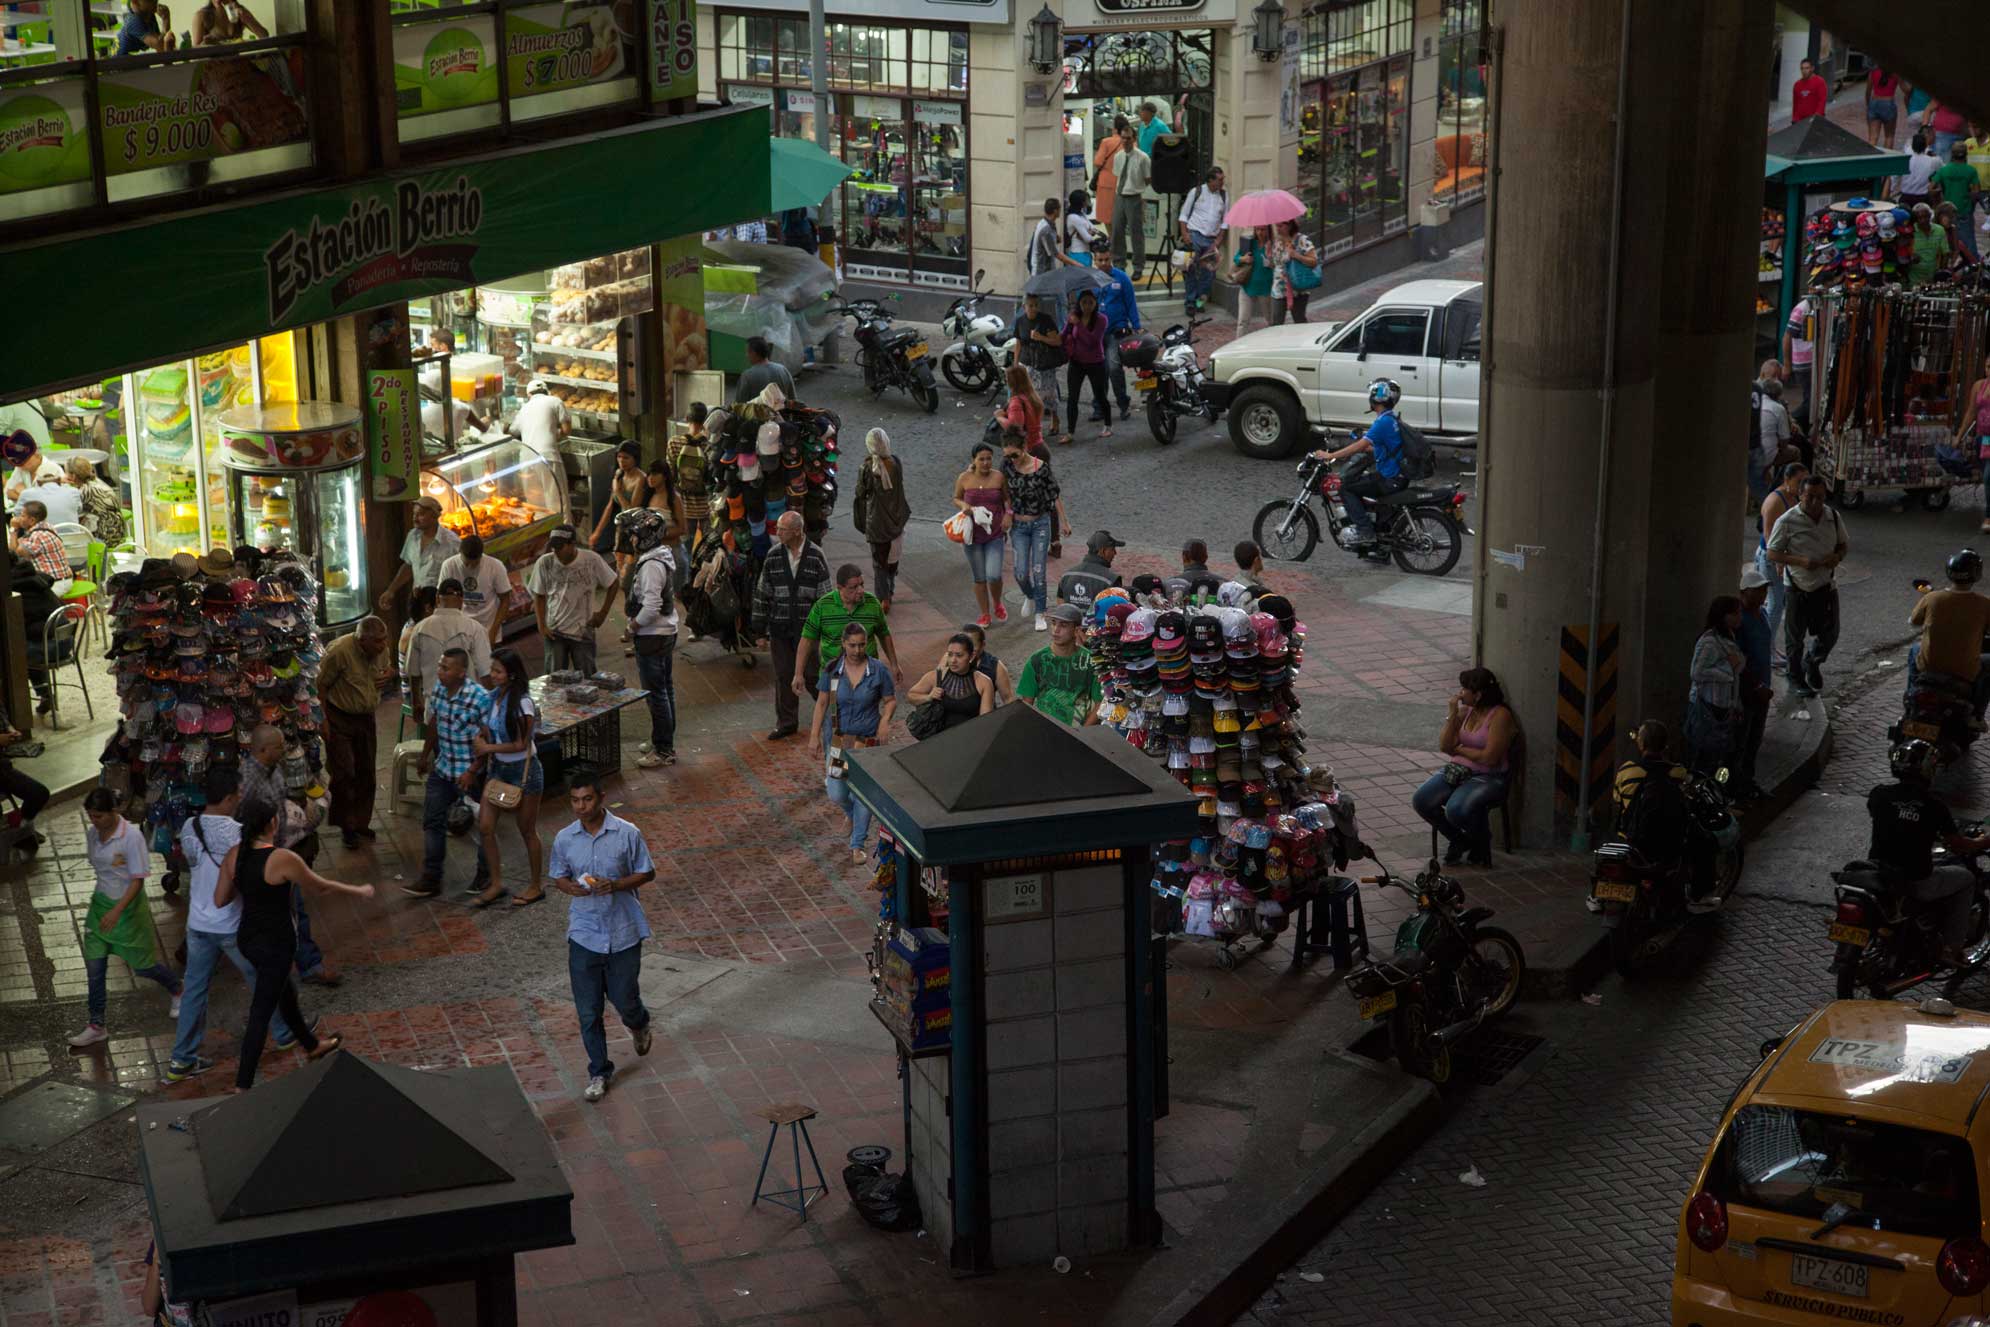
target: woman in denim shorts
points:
(507, 742)
(982, 487)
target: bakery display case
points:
(504, 491)
(295, 475)
(578, 341)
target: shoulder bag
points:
(507, 796)
(837, 765)
(929, 719)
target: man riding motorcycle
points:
(1383, 441)
(1953, 622)
(1660, 829)
(1908, 820)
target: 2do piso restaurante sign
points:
(305, 257)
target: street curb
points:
(1230, 1272)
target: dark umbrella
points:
(1067, 281)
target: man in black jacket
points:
(1080, 585)
(793, 575)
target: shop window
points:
(1395, 332)
(199, 103)
(453, 74)
(1459, 170)
(875, 196)
(1347, 34)
(939, 60)
(1353, 151)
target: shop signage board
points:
(445, 65)
(42, 138)
(739, 94)
(680, 292)
(200, 110)
(550, 48)
(1089, 15)
(393, 428)
(936, 112)
(916, 11)
(673, 49)
(301, 258)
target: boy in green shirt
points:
(1058, 680)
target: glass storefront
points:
(1463, 106)
(897, 114)
(1354, 69)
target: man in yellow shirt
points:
(1952, 623)
(349, 686)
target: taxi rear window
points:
(1799, 1163)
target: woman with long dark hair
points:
(1085, 344)
(1079, 228)
(262, 876)
(507, 742)
(1458, 799)
(119, 920)
(964, 691)
(1713, 710)
(989, 665)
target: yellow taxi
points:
(1845, 1182)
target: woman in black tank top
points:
(263, 876)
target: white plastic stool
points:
(405, 783)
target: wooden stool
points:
(796, 1116)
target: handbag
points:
(507, 796)
(1455, 774)
(837, 763)
(1301, 277)
(928, 719)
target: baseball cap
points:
(536, 386)
(426, 501)
(1752, 578)
(561, 534)
(1065, 612)
(1102, 540)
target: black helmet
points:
(1912, 760)
(644, 527)
(1966, 567)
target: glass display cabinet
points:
(504, 491)
(296, 474)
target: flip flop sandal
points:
(485, 899)
(326, 1045)
(526, 900)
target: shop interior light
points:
(1267, 30)
(1047, 41)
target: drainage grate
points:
(1481, 1059)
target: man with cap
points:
(1757, 674)
(1080, 585)
(486, 583)
(565, 584)
(447, 628)
(542, 421)
(349, 686)
(423, 552)
(1058, 680)
(793, 575)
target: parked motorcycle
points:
(1646, 900)
(1422, 525)
(1449, 974)
(981, 342)
(1887, 942)
(1168, 377)
(1938, 708)
(891, 357)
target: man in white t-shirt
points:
(566, 583)
(486, 583)
(1918, 180)
(542, 421)
(447, 628)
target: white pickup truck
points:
(1283, 383)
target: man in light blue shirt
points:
(600, 861)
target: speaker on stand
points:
(1173, 158)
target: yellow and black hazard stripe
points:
(1568, 718)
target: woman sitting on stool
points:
(1458, 799)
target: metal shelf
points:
(578, 352)
(596, 384)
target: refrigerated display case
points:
(509, 494)
(295, 477)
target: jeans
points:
(1979, 688)
(97, 970)
(1812, 613)
(604, 978)
(203, 949)
(1463, 813)
(1201, 275)
(984, 562)
(1365, 484)
(1778, 590)
(275, 993)
(1031, 537)
(654, 671)
(438, 795)
(1115, 376)
(1941, 144)
(1129, 223)
(860, 815)
(567, 652)
(1077, 375)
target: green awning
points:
(800, 174)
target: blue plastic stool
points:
(796, 1116)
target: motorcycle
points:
(1449, 974)
(1169, 377)
(1421, 525)
(1938, 708)
(981, 345)
(1646, 900)
(891, 357)
(1887, 944)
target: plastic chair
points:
(60, 644)
(93, 563)
(405, 783)
(76, 542)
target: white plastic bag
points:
(957, 526)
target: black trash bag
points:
(887, 1201)
(855, 1177)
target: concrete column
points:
(1247, 138)
(1424, 43)
(1016, 148)
(1669, 517)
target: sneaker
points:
(1041, 625)
(981, 621)
(645, 1035)
(173, 1009)
(89, 1036)
(421, 889)
(597, 1088)
(1700, 907)
(1001, 613)
(649, 760)
(646, 747)
(180, 1073)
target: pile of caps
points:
(205, 651)
(1206, 689)
(769, 456)
(1854, 248)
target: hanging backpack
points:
(1419, 459)
(1655, 822)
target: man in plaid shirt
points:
(457, 710)
(30, 537)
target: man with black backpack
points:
(1397, 452)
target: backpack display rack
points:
(1891, 376)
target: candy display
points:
(204, 653)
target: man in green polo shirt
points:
(1956, 182)
(843, 605)
(1058, 680)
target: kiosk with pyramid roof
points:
(352, 1191)
(1015, 969)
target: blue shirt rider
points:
(1383, 441)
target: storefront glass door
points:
(875, 197)
(1353, 150)
(939, 161)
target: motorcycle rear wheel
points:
(1409, 1038)
(927, 395)
(1297, 541)
(1160, 420)
(1727, 872)
(1445, 540)
(1499, 949)
(969, 373)
(1848, 971)
(1627, 939)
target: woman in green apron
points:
(119, 920)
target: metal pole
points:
(818, 79)
(1579, 839)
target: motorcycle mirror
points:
(1923, 584)
(979, 272)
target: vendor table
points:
(589, 734)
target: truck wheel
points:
(1266, 423)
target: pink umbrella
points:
(1265, 207)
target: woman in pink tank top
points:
(1976, 420)
(1458, 799)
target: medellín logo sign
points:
(412, 234)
